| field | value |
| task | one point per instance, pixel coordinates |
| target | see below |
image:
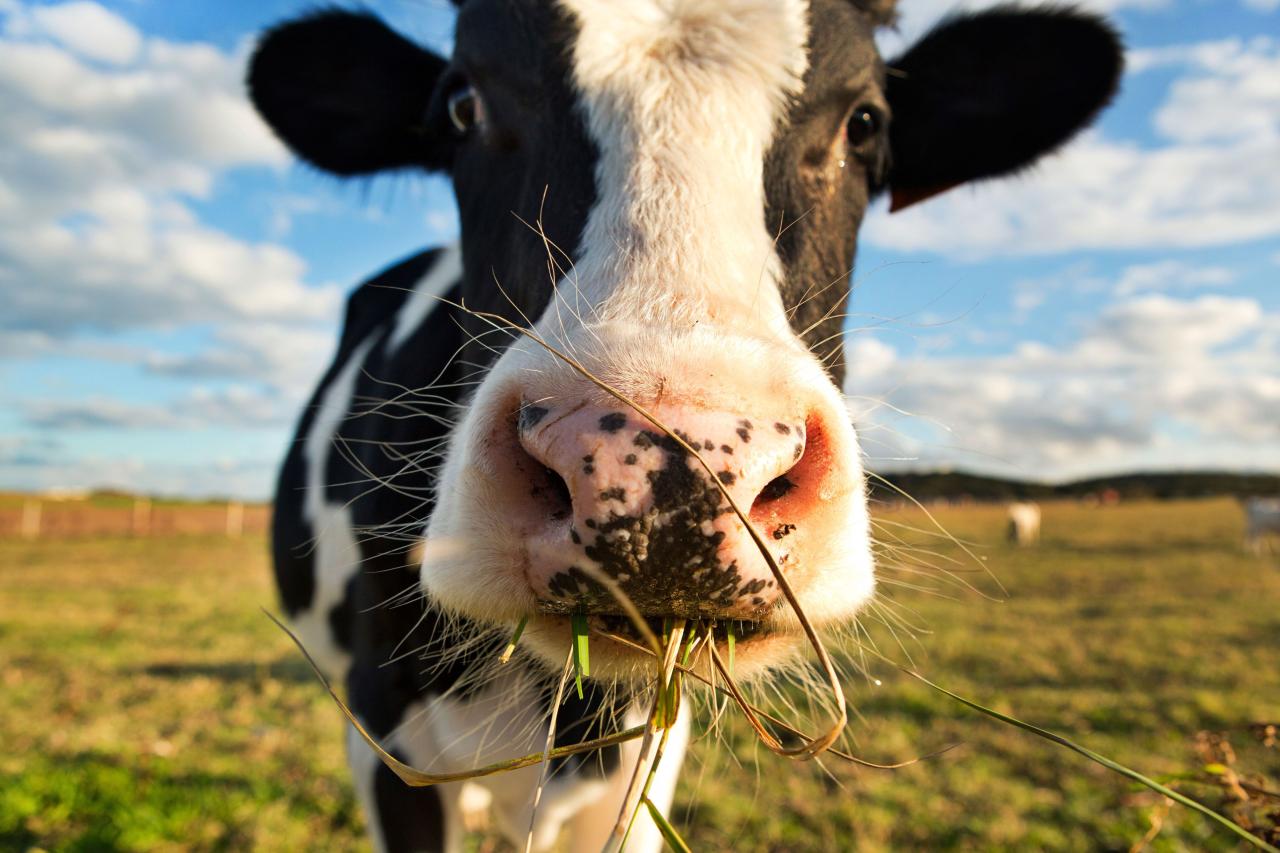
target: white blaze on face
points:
(682, 98)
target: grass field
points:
(147, 704)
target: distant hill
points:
(1162, 485)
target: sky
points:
(171, 280)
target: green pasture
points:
(147, 704)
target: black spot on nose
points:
(530, 416)
(613, 421)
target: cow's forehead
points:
(535, 36)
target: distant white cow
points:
(1261, 523)
(1024, 523)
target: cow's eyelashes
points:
(863, 125)
(465, 109)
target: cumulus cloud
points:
(109, 134)
(1212, 181)
(87, 28)
(1170, 275)
(1146, 374)
(236, 406)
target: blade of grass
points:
(581, 652)
(546, 749)
(1105, 762)
(668, 831)
(731, 640)
(515, 638)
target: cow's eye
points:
(464, 108)
(862, 126)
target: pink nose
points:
(627, 500)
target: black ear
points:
(987, 94)
(346, 93)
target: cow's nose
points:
(624, 498)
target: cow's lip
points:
(622, 625)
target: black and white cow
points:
(670, 191)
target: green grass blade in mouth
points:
(731, 638)
(581, 652)
(1105, 762)
(515, 638)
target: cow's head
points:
(670, 190)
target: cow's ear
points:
(986, 94)
(347, 94)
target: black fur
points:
(409, 818)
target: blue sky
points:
(171, 280)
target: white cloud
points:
(86, 28)
(1170, 275)
(96, 173)
(286, 359)
(1164, 381)
(1213, 182)
(200, 408)
(1262, 5)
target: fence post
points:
(31, 511)
(235, 519)
(141, 516)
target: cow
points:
(667, 192)
(1024, 523)
(1262, 524)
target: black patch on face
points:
(534, 164)
(813, 207)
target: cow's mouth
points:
(721, 629)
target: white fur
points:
(506, 720)
(336, 556)
(682, 98)
(426, 296)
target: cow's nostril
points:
(557, 494)
(774, 490)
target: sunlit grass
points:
(148, 704)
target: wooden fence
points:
(49, 519)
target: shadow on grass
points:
(288, 669)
